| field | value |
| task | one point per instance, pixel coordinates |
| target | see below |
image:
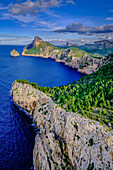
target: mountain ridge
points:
(98, 48)
(103, 47)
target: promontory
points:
(74, 121)
(74, 57)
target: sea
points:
(17, 132)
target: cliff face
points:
(66, 140)
(73, 57)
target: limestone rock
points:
(14, 53)
(66, 140)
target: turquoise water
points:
(16, 131)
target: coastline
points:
(33, 55)
(58, 61)
(62, 135)
(76, 58)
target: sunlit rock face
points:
(65, 140)
(14, 53)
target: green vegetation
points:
(75, 126)
(90, 142)
(45, 48)
(79, 53)
(67, 162)
(91, 96)
(91, 166)
(41, 48)
(33, 50)
(99, 52)
(106, 147)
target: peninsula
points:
(74, 57)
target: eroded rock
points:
(14, 53)
(66, 140)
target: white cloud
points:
(86, 30)
(6, 39)
(36, 6)
(109, 19)
(26, 12)
(70, 1)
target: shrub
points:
(91, 141)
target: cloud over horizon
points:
(6, 39)
(12, 39)
(86, 30)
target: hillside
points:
(42, 48)
(68, 138)
(74, 57)
(39, 47)
(99, 48)
(91, 96)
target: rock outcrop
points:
(65, 140)
(73, 57)
(14, 53)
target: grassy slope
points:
(99, 52)
(41, 48)
(91, 96)
(79, 53)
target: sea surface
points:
(17, 133)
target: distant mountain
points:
(68, 44)
(73, 56)
(99, 48)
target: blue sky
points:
(57, 21)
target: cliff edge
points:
(65, 140)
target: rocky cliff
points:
(14, 53)
(73, 57)
(65, 140)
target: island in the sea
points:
(14, 53)
(74, 57)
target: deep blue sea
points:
(16, 131)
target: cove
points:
(16, 131)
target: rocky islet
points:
(14, 53)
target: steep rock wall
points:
(66, 140)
